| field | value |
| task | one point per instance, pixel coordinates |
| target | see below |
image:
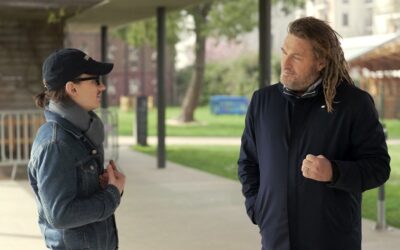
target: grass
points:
(222, 161)
(208, 124)
(213, 159)
(392, 192)
(393, 128)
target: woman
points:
(76, 197)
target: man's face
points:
(299, 66)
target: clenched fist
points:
(317, 168)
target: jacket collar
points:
(311, 91)
(69, 127)
(64, 123)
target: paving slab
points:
(176, 208)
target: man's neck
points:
(310, 88)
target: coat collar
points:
(64, 123)
(311, 91)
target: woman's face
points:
(86, 91)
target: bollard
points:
(380, 213)
(104, 117)
(381, 216)
(141, 120)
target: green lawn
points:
(392, 190)
(207, 124)
(393, 128)
(221, 160)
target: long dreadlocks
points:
(326, 45)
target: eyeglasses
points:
(95, 78)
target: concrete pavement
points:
(180, 208)
(176, 208)
(18, 217)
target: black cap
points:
(67, 64)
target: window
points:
(368, 18)
(345, 19)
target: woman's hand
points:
(115, 177)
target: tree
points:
(189, 104)
(142, 35)
(225, 18)
(144, 32)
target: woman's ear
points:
(70, 88)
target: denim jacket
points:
(74, 211)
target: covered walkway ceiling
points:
(114, 13)
(385, 56)
(40, 9)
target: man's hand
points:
(317, 168)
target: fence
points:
(18, 129)
(233, 105)
(17, 132)
(110, 120)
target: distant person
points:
(311, 145)
(76, 197)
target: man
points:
(311, 145)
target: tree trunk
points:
(193, 92)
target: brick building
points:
(29, 31)
(134, 72)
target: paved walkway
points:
(176, 208)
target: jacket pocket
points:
(341, 210)
(76, 239)
(256, 210)
(88, 177)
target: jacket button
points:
(94, 151)
(91, 167)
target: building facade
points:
(134, 72)
(29, 32)
(349, 18)
(386, 16)
(357, 17)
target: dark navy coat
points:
(291, 211)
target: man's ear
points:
(321, 64)
(70, 88)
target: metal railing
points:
(380, 206)
(110, 121)
(18, 130)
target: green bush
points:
(238, 77)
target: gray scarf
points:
(88, 122)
